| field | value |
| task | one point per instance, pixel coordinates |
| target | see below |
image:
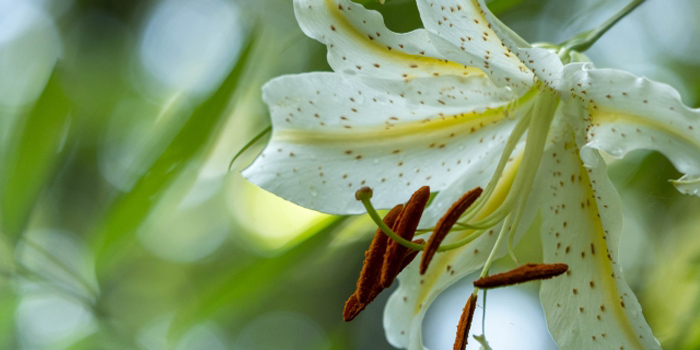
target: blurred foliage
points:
(122, 227)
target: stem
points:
(492, 256)
(386, 229)
(249, 144)
(516, 134)
(483, 316)
(589, 39)
(474, 235)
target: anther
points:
(374, 258)
(353, 307)
(465, 323)
(405, 228)
(525, 273)
(445, 224)
(410, 255)
(369, 284)
(363, 193)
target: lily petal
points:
(591, 306)
(545, 64)
(359, 42)
(406, 308)
(333, 134)
(626, 112)
(463, 34)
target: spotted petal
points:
(333, 134)
(359, 42)
(591, 306)
(406, 308)
(463, 34)
(546, 65)
(626, 112)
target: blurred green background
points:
(123, 228)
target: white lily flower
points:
(466, 103)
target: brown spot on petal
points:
(525, 273)
(444, 225)
(405, 227)
(465, 323)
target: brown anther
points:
(411, 255)
(353, 307)
(374, 258)
(465, 323)
(445, 224)
(405, 227)
(525, 273)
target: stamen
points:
(364, 194)
(410, 255)
(374, 258)
(515, 136)
(465, 323)
(525, 273)
(445, 224)
(353, 307)
(405, 228)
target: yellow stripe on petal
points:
(604, 263)
(370, 41)
(581, 225)
(610, 117)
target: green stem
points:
(591, 37)
(470, 238)
(501, 235)
(386, 229)
(483, 316)
(249, 144)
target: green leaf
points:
(499, 6)
(245, 287)
(129, 210)
(8, 307)
(33, 153)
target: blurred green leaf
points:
(245, 287)
(8, 306)
(500, 6)
(32, 156)
(129, 210)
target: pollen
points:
(445, 224)
(374, 258)
(405, 227)
(465, 323)
(525, 273)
